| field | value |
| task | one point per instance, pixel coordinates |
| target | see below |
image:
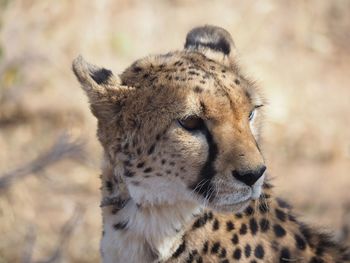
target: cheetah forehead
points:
(171, 78)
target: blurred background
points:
(298, 51)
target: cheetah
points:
(183, 177)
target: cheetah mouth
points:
(234, 207)
(229, 203)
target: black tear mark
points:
(203, 186)
(101, 76)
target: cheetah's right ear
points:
(101, 86)
(214, 42)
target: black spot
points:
(263, 208)
(198, 89)
(205, 247)
(137, 69)
(253, 225)
(280, 215)
(223, 253)
(282, 203)
(189, 258)
(306, 233)
(243, 229)
(299, 242)
(201, 221)
(191, 72)
(148, 170)
(259, 252)
(249, 211)
(216, 224)
(237, 82)
(109, 186)
(247, 250)
(279, 230)
(101, 76)
(238, 215)
(285, 255)
(128, 173)
(120, 225)
(235, 239)
(151, 149)
(140, 165)
(292, 218)
(145, 76)
(248, 95)
(210, 215)
(229, 226)
(264, 225)
(215, 248)
(180, 250)
(237, 253)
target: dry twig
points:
(63, 148)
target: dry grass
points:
(297, 50)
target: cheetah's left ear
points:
(212, 41)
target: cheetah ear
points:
(212, 41)
(101, 86)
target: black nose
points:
(249, 177)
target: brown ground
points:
(297, 50)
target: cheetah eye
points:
(192, 123)
(251, 115)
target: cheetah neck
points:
(144, 234)
(138, 233)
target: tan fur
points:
(169, 194)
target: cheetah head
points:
(181, 127)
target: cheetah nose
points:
(249, 177)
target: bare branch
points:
(63, 148)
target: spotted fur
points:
(183, 176)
